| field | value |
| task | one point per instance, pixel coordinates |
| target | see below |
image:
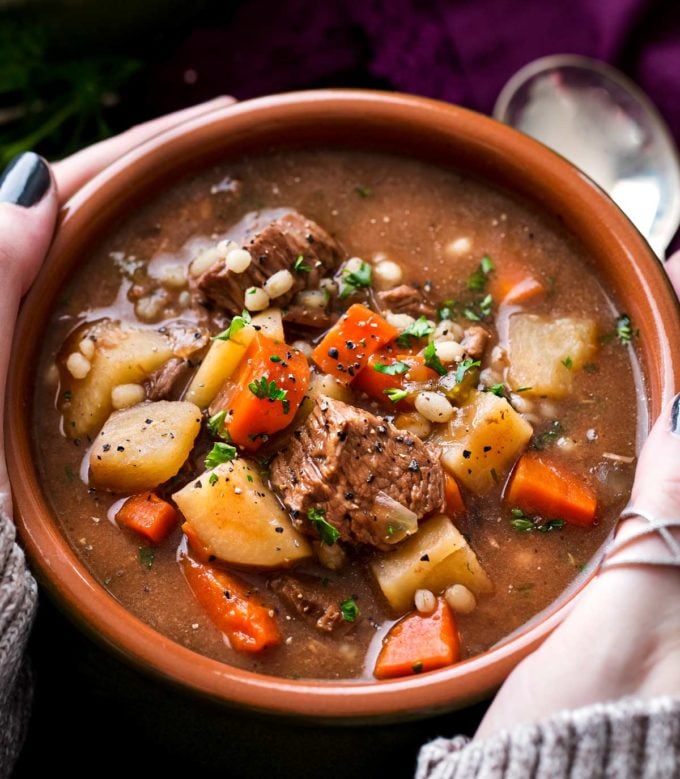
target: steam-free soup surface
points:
(453, 239)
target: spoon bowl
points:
(602, 122)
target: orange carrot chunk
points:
(264, 394)
(389, 369)
(419, 642)
(150, 516)
(232, 607)
(346, 347)
(452, 497)
(538, 486)
(513, 283)
(198, 548)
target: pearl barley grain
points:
(256, 299)
(387, 274)
(433, 406)
(460, 599)
(425, 601)
(238, 260)
(78, 365)
(279, 283)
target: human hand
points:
(30, 196)
(31, 193)
(622, 636)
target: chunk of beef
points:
(303, 318)
(308, 597)
(474, 341)
(341, 459)
(187, 341)
(406, 299)
(167, 380)
(273, 248)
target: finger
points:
(74, 171)
(672, 266)
(657, 477)
(28, 210)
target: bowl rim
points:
(102, 616)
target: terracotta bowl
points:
(446, 135)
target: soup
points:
(330, 414)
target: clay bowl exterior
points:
(416, 127)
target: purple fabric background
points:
(462, 51)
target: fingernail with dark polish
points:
(25, 180)
(675, 416)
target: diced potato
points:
(322, 384)
(433, 559)
(122, 355)
(545, 353)
(223, 356)
(218, 365)
(270, 323)
(238, 519)
(483, 440)
(142, 446)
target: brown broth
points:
(409, 211)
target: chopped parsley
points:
(352, 280)
(464, 367)
(268, 390)
(432, 361)
(220, 453)
(548, 436)
(568, 363)
(477, 280)
(485, 305)
(419, 329)
(624, 329)
(395, 369)
(146, 556)
(237, 323)
(213, 479)
(526, 524)
(363, 191)
(275, 358)
(523, 389)
(496, 389)
(447, 310)
(395, 395)
(216, 425)
(67, 395)
(327, 533)
(299, 265)
(350, 610)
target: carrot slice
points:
(453, 499)
(150, 516)
(513, 283)
(419, 642)
(198, 549)
(375, 382)
(539, 486)
(232, 607)
(264, 393)
(346, 347)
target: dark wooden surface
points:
(89, 706)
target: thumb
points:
(657, 477)
(28, 211)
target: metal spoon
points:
(598, 119)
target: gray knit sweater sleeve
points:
(627, 739)
(18, 595)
